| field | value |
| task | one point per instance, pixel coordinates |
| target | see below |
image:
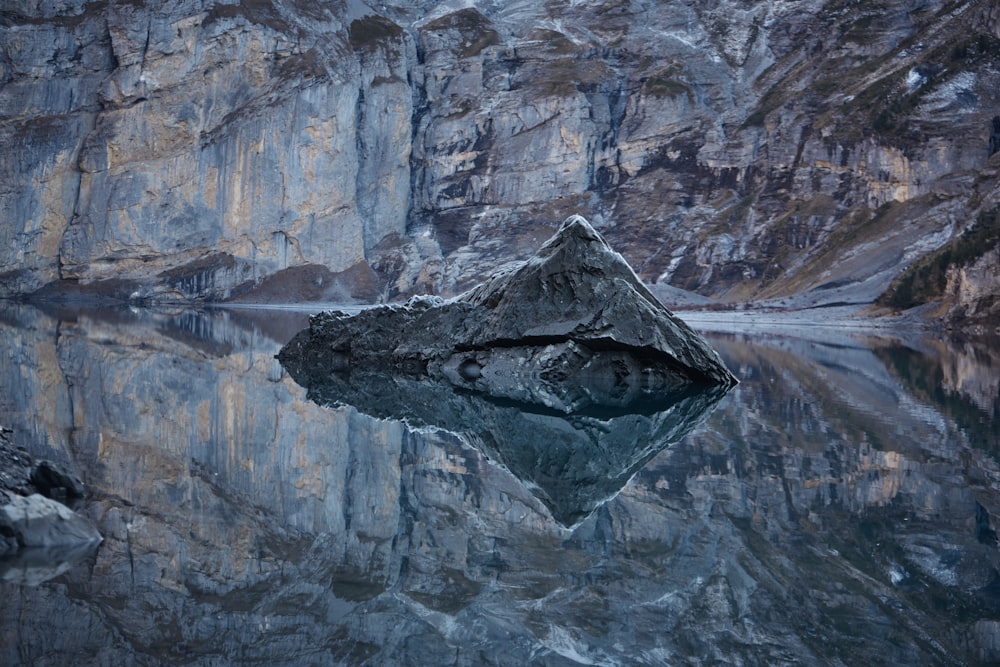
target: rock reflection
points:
(961, 378)
(31, 567)
(573, 462)
(829, 511)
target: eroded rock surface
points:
(571, 328)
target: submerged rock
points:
(571, 328)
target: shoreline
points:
(843, 318)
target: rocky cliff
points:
(805, 152)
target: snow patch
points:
(960, 90)
(897, 574)
(914, 79)
(561, 642)
(444, 9)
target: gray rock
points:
(53, 482)
(33, 566)
(37, 521)
(565, 369)
(571, 328)
(208, 151)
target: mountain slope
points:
(804, 152)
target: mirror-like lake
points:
(839, 507)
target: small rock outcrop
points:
(572, 328)
(38, 532)
(39, 522)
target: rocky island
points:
(564, 368)
(572, 328)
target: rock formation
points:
(38, 533)
(804, 152)
(42, 523)
(563, 368)
(571, 328)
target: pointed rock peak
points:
(574, 229)
(574, 299)
(577, 225)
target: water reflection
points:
(573, 462)
(837, 507)
(34, 566)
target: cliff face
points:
(805, 151)
(193, 151)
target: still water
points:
(839, 506)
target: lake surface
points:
(839, 506)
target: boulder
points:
(38, 522)
(571, 328)
(52, 481)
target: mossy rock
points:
(927, 279)
(371, 32)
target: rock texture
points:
(957, 283)
(976, 299)
(42, 523)
(799, 152)
(570, 328)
